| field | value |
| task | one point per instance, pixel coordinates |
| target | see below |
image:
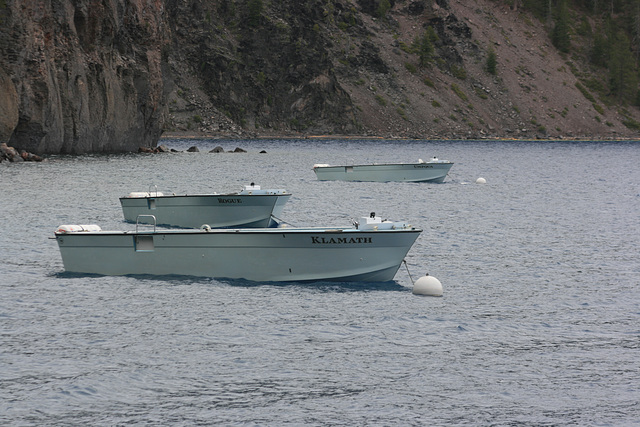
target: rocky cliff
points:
(106, 76)
(81, 76)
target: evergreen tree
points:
(424, 46)
(255, 12)
(599, 51)
(634, 24)
(537, 7)
(383, 8)
(431, 33)
(560, 35)
(623, 78)
(492, 62)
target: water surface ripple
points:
(538, 325)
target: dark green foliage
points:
(560, 34)
(410, 67)
(424, 46)
(540, 8)
(226, 9)
(255, 12)
(458, 72)
(492, 61)
(596, 85)
(584, 29)
(376, 8)
(631, 124)
(600, 50)
(456, 89)
(383, 8)
(431, 34)
(381, 100)
(598, 108)
(402, 113)
(585, 92)
(623, 77)
(480, 93)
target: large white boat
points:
(371, 250)
(251, 207)
(433, 170)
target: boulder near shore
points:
(12, 155)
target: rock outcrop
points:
(8, 106)
(12, 155)
(81, 76)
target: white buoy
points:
(481, 181)
(427, 285)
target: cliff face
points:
(246, 69)
(112, 75)
(81, 76)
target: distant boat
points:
(432, 171)
(371, 250)
(251, 207)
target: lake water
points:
(539, 323)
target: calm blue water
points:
(539, 323)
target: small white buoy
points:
(427, 285)
(481, 181)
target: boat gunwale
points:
(384, 164)
(209, 195)
(305, 230)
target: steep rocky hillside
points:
(336, 68)
(85, 76)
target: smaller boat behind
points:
(248, 208)
(433, 170)
(371, 250)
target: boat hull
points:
(402, 172)
(215, 210)
(264, 255)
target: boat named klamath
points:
(371, 250)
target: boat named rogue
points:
(248, 208)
